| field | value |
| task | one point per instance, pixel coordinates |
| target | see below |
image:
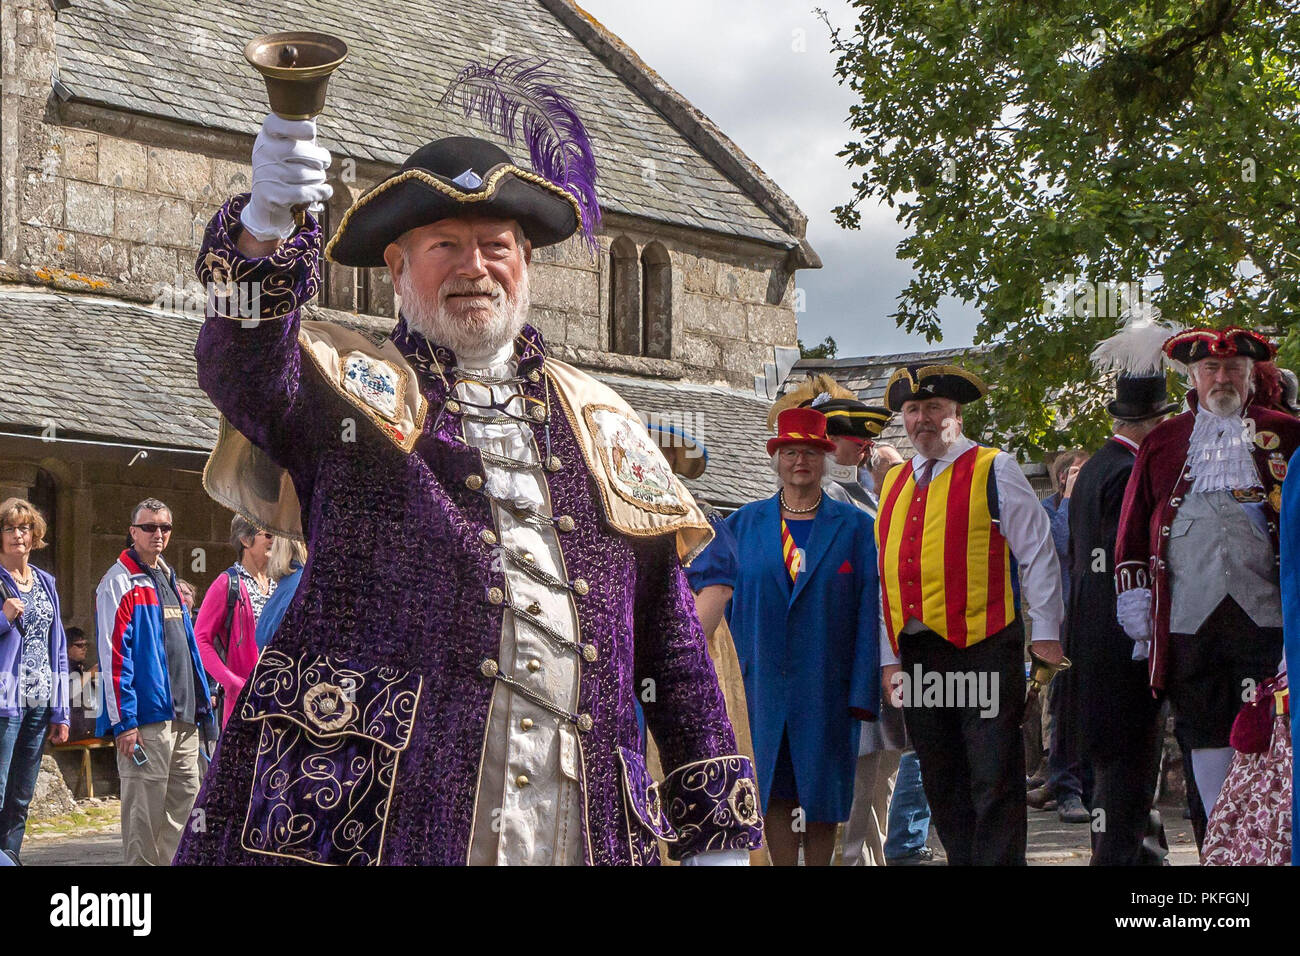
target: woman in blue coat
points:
(804, 616)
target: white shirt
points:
(1028, 531)
(528, 809)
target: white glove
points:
(1141, 650)
(288, 170)
(1133, 611)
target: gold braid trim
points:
(491, 183)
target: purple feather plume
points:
(516, 96)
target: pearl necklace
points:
(800, 511)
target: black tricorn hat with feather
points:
(460, 175)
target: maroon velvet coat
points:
(1155, 490)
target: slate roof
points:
(184, 61)
(102, 368)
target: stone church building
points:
(125, 123)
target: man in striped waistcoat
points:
(949, 524)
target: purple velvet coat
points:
(393, 605)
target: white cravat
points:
(1218, 453)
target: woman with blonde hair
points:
(287, 559)
(33, 667)
(226, 629)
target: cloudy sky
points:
(764, 72)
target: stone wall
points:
(122, 213)
(93, 502)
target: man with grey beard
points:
(1196, 555)
(496, 544)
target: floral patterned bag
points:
(1251, 822)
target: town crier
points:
(950, 522)
(496, 544)
(1196, 558)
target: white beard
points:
(1224, 404)
(468, 334)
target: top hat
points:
(919, 382)
(453, 176)
(1139, 397)
(800, 426)
(1196, 344)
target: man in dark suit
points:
(1118, 718)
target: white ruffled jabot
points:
(1218, 453)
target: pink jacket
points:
(241, 650)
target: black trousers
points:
(1126, 827)
(1211, 671)
(972, 763)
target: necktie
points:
(923, 476)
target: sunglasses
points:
(152, 528)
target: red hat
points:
(1196, 344)
(800, 426)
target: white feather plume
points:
(1137, 348)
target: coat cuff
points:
(713, 805)
(1130, 575)
(264, 287)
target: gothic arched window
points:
(624, 297)
(656, 302)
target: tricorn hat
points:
(919, 382)
(848, 416)
(450, 177)
(1193, 345)
(462, 175)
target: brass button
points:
(534, 609)
(585, 722)
(526, 723)
(495, 595)
(534, 376)
(580, 586)
(528, 556)
(488, 668)
(554, 464)
(474, 482)
(453, 406)
(521, 780)
(564, 523)
(534, 665)
(589, 653)
(539, 413)
(487, 536)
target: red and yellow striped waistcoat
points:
(943, 559)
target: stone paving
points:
(1051, 843)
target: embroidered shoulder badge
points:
(375, 382)
(1277, 465)
(1267, 440)
(636, 469)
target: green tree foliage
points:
(826, 349)
(1030, 143)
